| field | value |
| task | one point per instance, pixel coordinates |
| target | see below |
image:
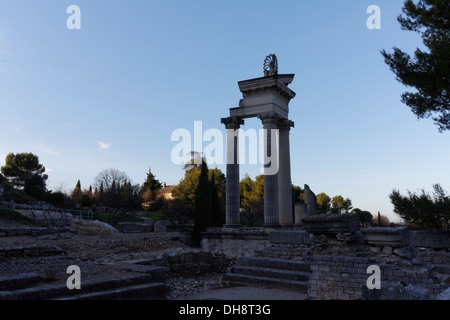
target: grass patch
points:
(156, 215)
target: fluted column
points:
(284, 174)
(232, 204)
(271, 217)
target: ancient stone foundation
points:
(339, 262)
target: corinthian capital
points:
(269, 119)
(232, 122)
(285, 124)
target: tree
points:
(178, 212)
(323, 203)
(202, 204)
(101, 195)
(150, 187)
(195, 161)
(365, 217)
(217, 205)
(339, 204)
(77, 193)
(24, 171)
(428, 72)
(129, 198)
(110, 176)
(381, 220)
(423, 209)
(185, 190)
(2, 183)
(252, 198)
(297, 192)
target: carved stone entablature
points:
(273, 84)
(232, 122)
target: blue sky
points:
(111, 94)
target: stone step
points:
(147, 291)
(19, 281)
(281, 264)
(266, 282)
(271, 273)
(50, 291)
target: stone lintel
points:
(254, 111)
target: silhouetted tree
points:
(203, 204)
(150, 187)
(428, 72)
(423, 209)
(24, 171)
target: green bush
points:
(423, 209)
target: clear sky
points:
(110, 94)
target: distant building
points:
(166, 192)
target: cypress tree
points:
(217, 214)
(202, 204)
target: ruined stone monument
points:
(266, 98)
(307, 208)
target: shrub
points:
(423, 209)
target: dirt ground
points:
(98, 256)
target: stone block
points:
(387, 250)
(397, 237)
(430, 238)
(407, 252)
(331, 223)
(289, 237)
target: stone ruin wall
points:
(339, 263)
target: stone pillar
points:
(271, 217)
(310, 200)
(284, 174)
(232, 205)
(300, 213)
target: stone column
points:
(284, 174)
(310, 201)
(232, 204)
(300, 213)
(271, 217)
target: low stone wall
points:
(344, 278)
(431, 246)
(430, 238)
(191, 263)
(337, 277)
(235, 243)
